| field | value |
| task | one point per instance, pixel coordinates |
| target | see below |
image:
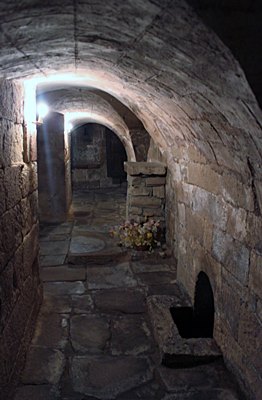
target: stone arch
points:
(83, 106)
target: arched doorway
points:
(97, 156)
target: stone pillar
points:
(146, 191)
(54, 182)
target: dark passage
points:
(197, 322)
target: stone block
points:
(135, 211)
(203, 176)
(155, 181)
(18, 329)
(250, 335)
(144, 168)
(11, 100)
(195, 226)
(12, 143)
(236, 224)
(255, 274)
(142, 201)
(139, 191)
(153, 212)
(12, 185)
(135, 181)
(209, 207)
(159, 191)
(10, 233)
(232, 254)
(228, 307)
(236, 193)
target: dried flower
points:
(138, 235)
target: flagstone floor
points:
(94, 337)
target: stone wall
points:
(20, 289)
(214, 224)
(90, 158)
(146, 191)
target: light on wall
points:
(42, 111)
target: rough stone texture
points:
(146, 191)
(97, 376)
(130, 336)
(43, 366)
(110, 277)
(32, 392)
(89, 334)
(158, 59)
(120, 300)
(20, 289)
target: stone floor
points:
(94, 336)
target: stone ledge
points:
(145, 168)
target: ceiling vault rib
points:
(9, 39)
(76, 49)
(139, 37)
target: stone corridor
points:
(94, 337)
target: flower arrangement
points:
(139, 236)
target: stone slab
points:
(84, 244)
(56, 304)
(107, 377)
(130, 336)
(120, 300)
(54, 248)
(64, 288)
(39, 392)
(82, 304)
(89, 333)
(210, 376)
(51, 331)
(53, 274)
(119, 275)
(157, 278)
(43, 366)
(48, 261)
